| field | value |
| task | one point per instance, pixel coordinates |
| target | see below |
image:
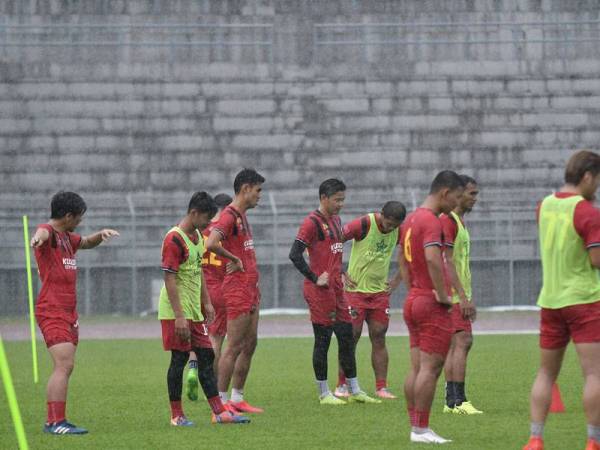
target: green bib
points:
(370, 259)
(461, 256)
(189, 282)
(568, 275)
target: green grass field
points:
(118, 391)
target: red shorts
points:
(579, 322)
(58, 330)
(326, 305)
(458, 322)
(241, 299)
(368, 306)
(219, 326)
(171, 341)
(429, 323)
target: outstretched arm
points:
(94, 240)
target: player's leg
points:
(175, 386)
(237, 330)
(217, 345)
(463, 343)
(409, 383)
(358, 318)
(191, 379)
(589, 358)
(242, 367)
(322, 334)
(379, 353)
(449, 375)
(347, 357)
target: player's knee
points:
(464, 341)
(66, 366)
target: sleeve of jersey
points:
(75, 241)
(357, 229)
(587, 223)
(307, 232)
(172, 253)
(432, 233)
(225, 225)
(48, 228)
(449, 229)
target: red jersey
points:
(57, 268)
(175, 251)
(324, 241)
(450, 229)
(213, 265)
(359, 228)
(421, 229)
(237, 239)
(586, 220)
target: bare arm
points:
(41, 235)
(399, 276)
(213, 244)
(433, 257)
(207, 306)
(467, 306)
(95, 239)
(595, 256)
(181, 326)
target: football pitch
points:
(118, 391)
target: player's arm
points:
(206, 303)
(594, 253)
(467, 307)
(41, 235)
(297, 257)
(401, 274)
(94, 240)
(213, 244)
(181, 326)
(433, 258)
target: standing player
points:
(180, 314)
(427, 306)
(321, 234)
(213, 268)
(55, 245)
(231, 238)
(457, 248)
(375, 236)
(569, 233)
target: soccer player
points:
(56, 244)
(180, 314)
(214, 272)
(457, 251)
(427, 306)
(375, 236)
(569, 233)
(231, 238)
(321, 234)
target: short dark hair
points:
(394, 210)
(203, 203)
(222, 200)
(446, 179)
(247, 176)
(579, 163)
(331, 186)
(63, 203)
(466, 179)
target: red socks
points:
(341, 379)
(216, 404)
(422, 419)
(176, 409)
(56, 411)
(412, 417)
(380, 384)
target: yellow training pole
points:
(30, 293)
(12, 399)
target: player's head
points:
(248, 185)
(201, 209)
(392, 215)
(447, 187)
(68, 207)
(332, 193)
(222, 200)
(469, 196)
(583, 171)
